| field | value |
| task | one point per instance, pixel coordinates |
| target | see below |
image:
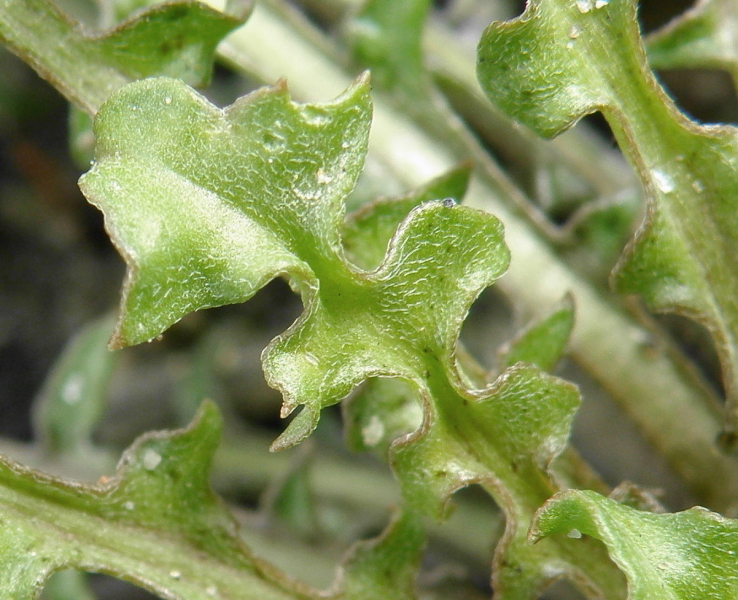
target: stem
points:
(673, 409)
(49, 42)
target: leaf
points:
(290, 497)
(368, 230)
(700, 38)
(561, 60)
(543, 342)
(163, 151)
(174, 39)
(687, 555)
(382, 411)
(156, 524)
(71, 401)
(504, 438)
(597, 232)
(387, 566)
(386, 36)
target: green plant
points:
(208, 205)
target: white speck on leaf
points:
(574, 534)
(663, 181)
(72, 390)
(373, 433)
(151, 459)
(322, 177)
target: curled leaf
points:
(562, 60)
(682, 556)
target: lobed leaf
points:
(207, 205)
(682, 556)
(561, 60)
(262, 184)
(504, 438)
(156, 523)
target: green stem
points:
(49, 42)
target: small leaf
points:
(156, 523)
(175, 39)
(597, 232)
(562, 60)
(368, 231)
(385, 567)
(682, 556)
(543, 342)
(73, 396)
(290, 498)
(386, 36)
(432, 463)
(504, 438)
(700, 38)
(382, 411)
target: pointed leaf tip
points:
(164, 151)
